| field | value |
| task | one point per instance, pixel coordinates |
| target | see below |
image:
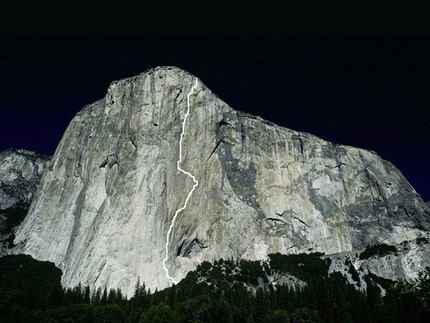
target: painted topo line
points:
(196, 183)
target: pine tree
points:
(87, 294)
(103, 299)
(96, 296)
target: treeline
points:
(223, 291)
(31, 291)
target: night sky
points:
(371, 92)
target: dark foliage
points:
(30, 291)
(304, 266)
(225, 291)
(14, 216)
(422, 241)
(379, 249)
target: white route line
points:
(196, 183)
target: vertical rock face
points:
(106, 203)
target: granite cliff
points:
(105, 204)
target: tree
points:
(96, 296)
(261, 305)
(305, 315)
(160, 313)
(104, 298)
(87, 294)
(197, 309)
(139, 301)
(422, 285)
(280, 316)
(108, 313)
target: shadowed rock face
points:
(20, 174)
(107, 201)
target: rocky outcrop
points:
(20, 174)
(105, 205)
(402, 261)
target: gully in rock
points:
(196, 183)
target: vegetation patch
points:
(228, 271)
(303, 266)
(422, 241)
(383, 282)
(379, 249)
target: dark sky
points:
(371, 92)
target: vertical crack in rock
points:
(243, 137)
(196, 183)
